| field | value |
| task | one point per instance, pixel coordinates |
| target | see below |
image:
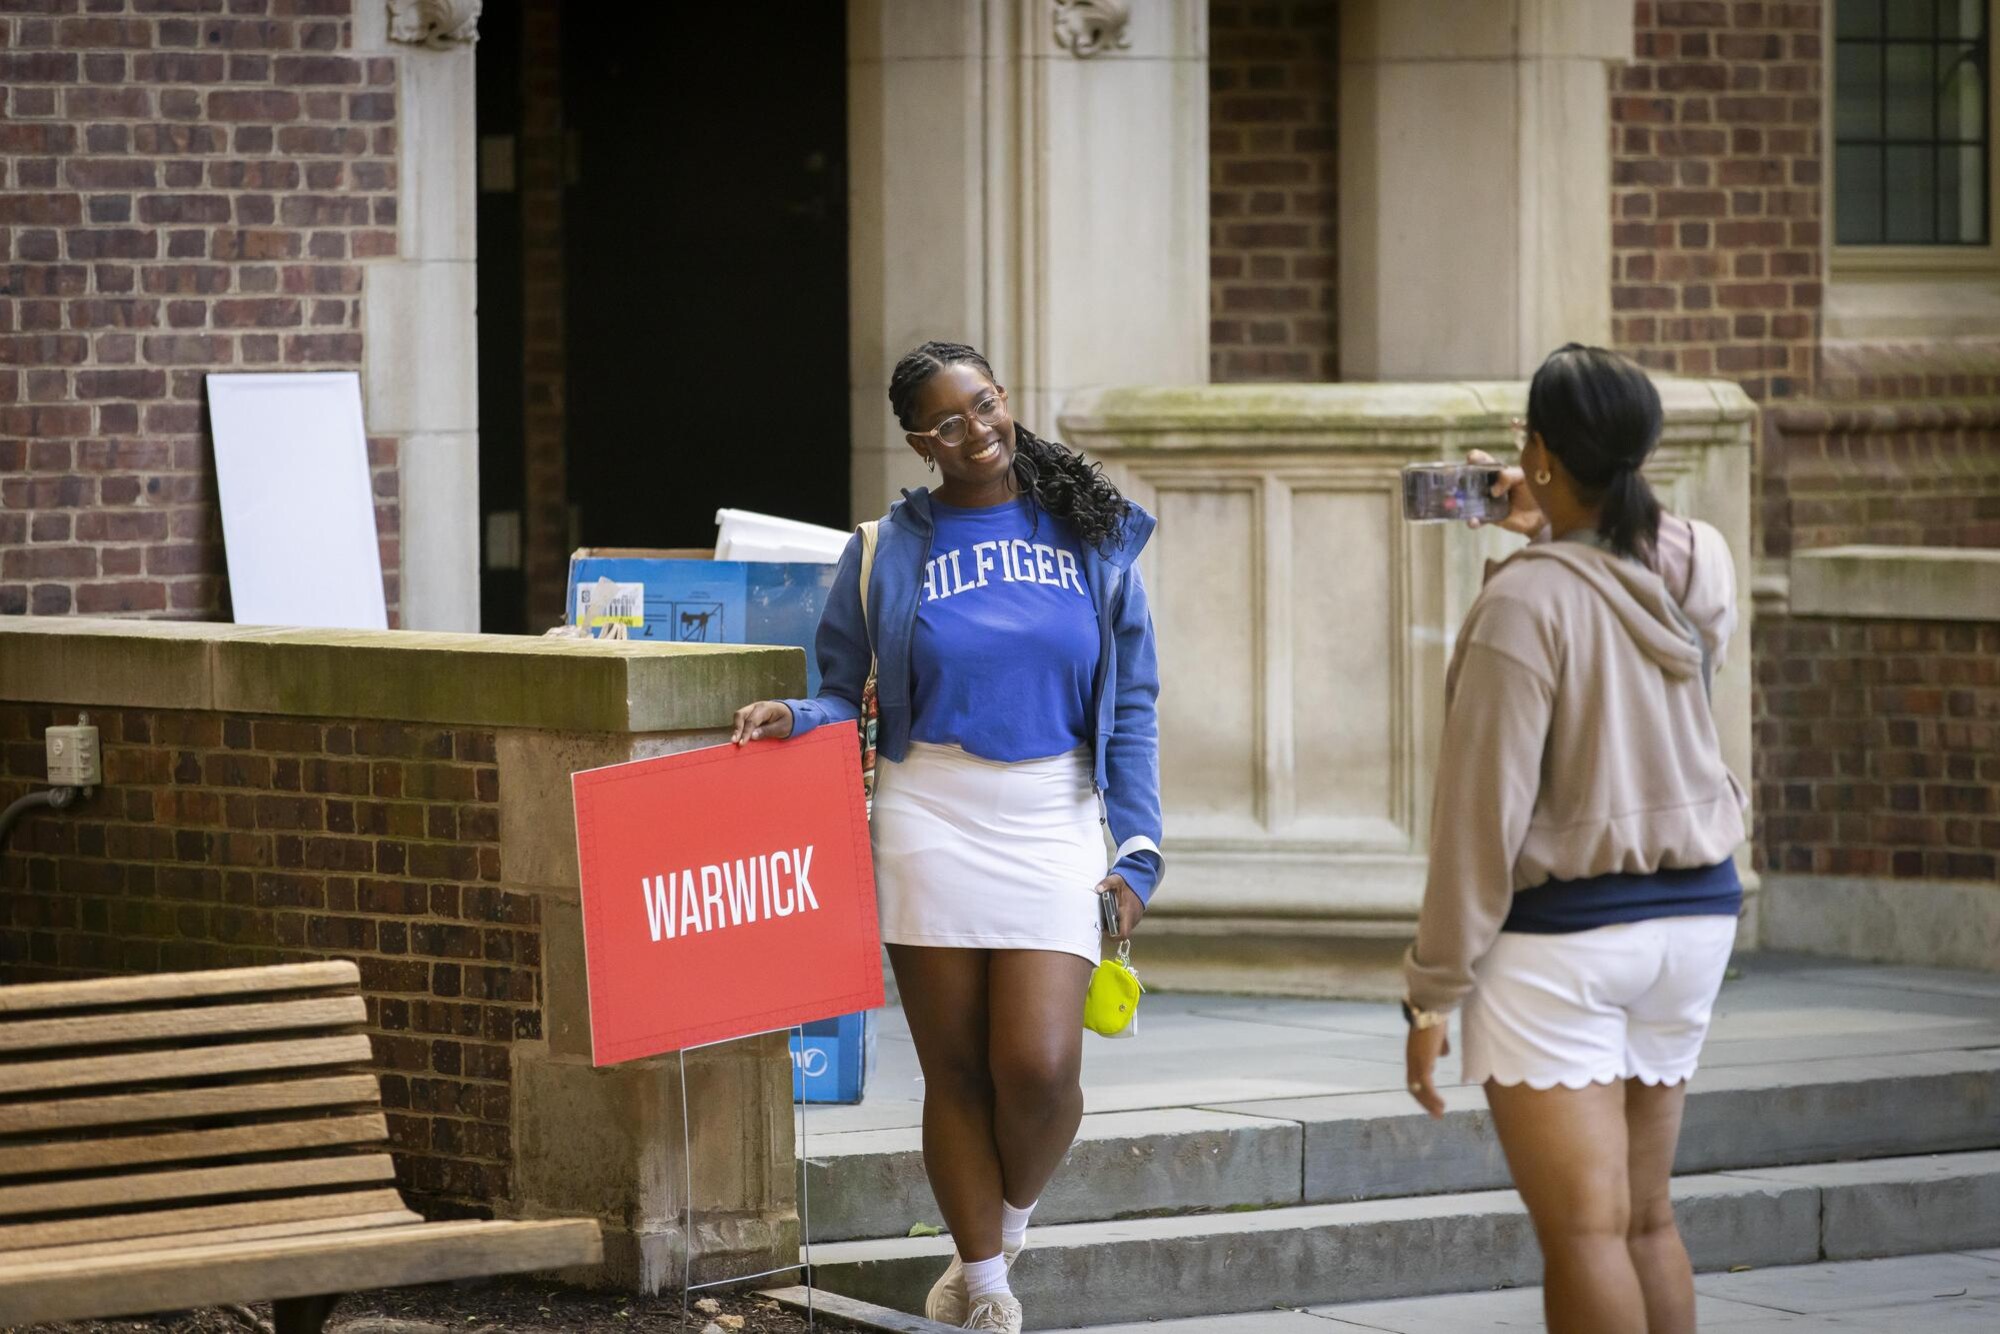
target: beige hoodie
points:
(1578, 739)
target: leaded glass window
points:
(1912, 122)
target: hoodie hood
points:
(1636, 596)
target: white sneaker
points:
(998, 1312)
(947, 1303)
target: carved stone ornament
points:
(1086, 27)
(438, 24)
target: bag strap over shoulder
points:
(868, 533)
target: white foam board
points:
(298, 511)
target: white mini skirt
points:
(976, 854)
(1628, 1001)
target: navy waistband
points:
(1557, 907)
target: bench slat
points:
(202, 1218)
(194, 1183)
(186, 1104)
(144, 1067)
(215, 1237)
(191, 1145)
(106, 1030)
(35, 996)
(131, 1284)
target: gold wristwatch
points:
(1422, 1019)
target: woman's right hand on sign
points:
(1524, 516)
(766, 720)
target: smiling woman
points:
(1007, 628)
(950, 386)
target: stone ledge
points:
(1364, 415)
(1838, 418)
(1897, 583)
(458, 679)
(1929, 923)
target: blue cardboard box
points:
(660, 595)
(688, 597)
(831, 1063)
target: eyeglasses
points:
(952, 431)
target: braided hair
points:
(1061, 480)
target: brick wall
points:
(1272, 178)
(1717, 168)
(222, 840)
(1878, 742)
(1878, 747)
(1890, 474)
(546, 526)
(1875, 740)
(181, 191)
(1910, 369)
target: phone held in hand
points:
(1448, 492)
(1107, 911)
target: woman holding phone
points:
(1582, 898)
(1016, 683)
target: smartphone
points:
(1107, 912)
(1448, 492)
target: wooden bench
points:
(204, 1138)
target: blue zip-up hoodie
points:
(1124, 697)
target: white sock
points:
(985, 1278)
(1014, 1224)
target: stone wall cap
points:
(411, 676)
(1896, 583)
(1365, 410)
(1989, 556)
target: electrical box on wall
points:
(74, 758)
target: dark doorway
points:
(706, 245)
(502, 441)
(703, 276)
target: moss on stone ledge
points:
(481, 680)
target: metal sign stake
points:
(688, 1285)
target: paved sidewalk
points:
(1955, 1293)
(1205, 1051)
(1221, 1104)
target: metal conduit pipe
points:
(55, 798)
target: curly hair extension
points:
(1061, 480)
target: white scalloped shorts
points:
(1627, 1001)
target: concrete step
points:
(1212, 1264)
(1953, 1292)
(1360, 1146)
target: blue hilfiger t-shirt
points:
(1006, 647)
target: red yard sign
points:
(726, 892)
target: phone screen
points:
(1442, 492)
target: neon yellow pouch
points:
(1111, 1006)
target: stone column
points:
(1033, 179)
(419, 320)
(1475, 192)
(608, 1143)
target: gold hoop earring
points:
(1543, 477)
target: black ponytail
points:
(1600, 414)
(1061, 480)
(1629, 521)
